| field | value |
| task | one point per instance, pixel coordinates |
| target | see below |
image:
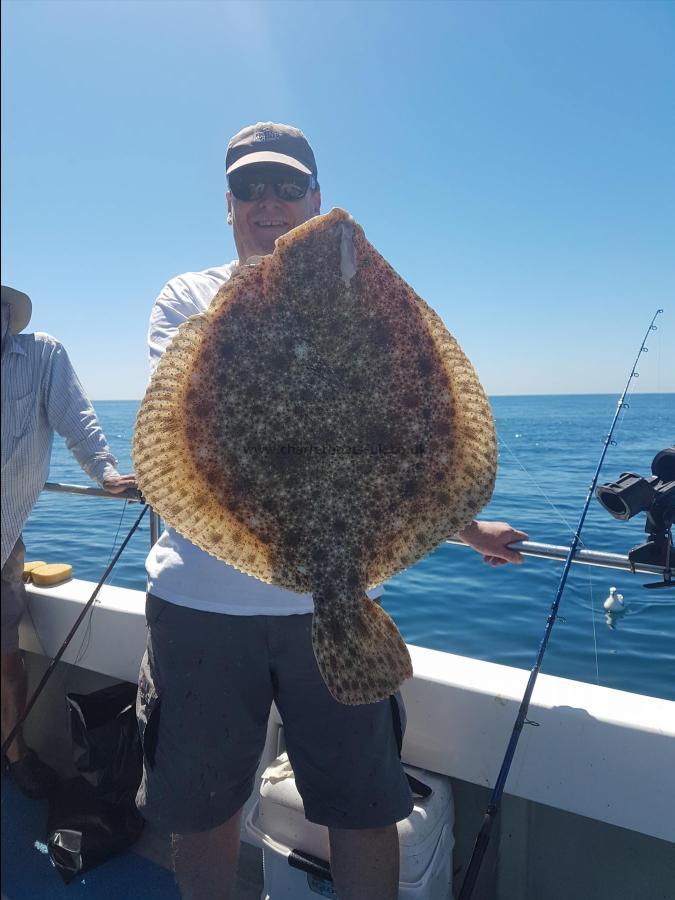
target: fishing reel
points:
(655, 496)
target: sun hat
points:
(20, 308)
(269, 142)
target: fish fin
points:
(359, 650)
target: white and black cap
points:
(269, 142)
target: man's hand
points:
(491, 538)
(116, 484)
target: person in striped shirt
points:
(41, 394)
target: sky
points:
(514, 162)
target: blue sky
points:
(515, 162)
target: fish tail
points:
(359, 650)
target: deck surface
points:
(27, 873)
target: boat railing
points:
(584, 557)
(131, 495)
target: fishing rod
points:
(45, 678)
(492, 810)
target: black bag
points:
(104, 731)
(93, 817)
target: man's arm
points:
(70, 413)
(491, 539)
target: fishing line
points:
(119, 525)
(595, 639)
(622, 417)
(620, 421)
(86, 638)
(529, 474)
(492, 810)
(658, 363)
(64, 646)
(540, 488)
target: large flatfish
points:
(319, 428)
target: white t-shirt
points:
(178, 571)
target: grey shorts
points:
(13, 598)
(206, 686)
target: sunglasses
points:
(249, 184)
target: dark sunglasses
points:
(248, 184)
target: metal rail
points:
(131, 494)
(581, 557)
(527, 548)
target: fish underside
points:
(318, 428)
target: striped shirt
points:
(41, 394)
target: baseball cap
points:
(269, 142)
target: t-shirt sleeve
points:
(173, 306)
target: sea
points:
(549, 447)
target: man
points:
(40, 395)
(222, 646)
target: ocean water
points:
(549, 449)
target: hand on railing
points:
(492, 539)
(116, 484)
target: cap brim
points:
(21, 308)
(264, 156)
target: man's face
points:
(258, 223)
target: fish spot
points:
(425, 365)
(225, 350)
(410, 488)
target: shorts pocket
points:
(148, 708)
(155, 608)
(399, 718)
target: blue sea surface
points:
(549, 449)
